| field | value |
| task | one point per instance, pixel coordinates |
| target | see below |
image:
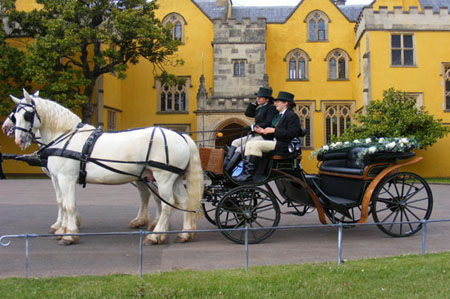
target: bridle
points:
(28, 116)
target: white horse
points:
(140, 155)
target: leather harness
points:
(85, 155)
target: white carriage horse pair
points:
(127, 156)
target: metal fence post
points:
(246, 248)
(26, 256)
(424, 235)
(140, 253)
(340, 244)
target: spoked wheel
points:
(248, 206)
(209, 208)
(401, 197)
(351, 215)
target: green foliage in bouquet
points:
(396, 116)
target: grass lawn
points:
(411, 276)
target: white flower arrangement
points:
(371, 146)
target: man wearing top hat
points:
(284, 127)
(263, 111)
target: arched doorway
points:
(230, 132)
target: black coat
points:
(287, 128)
(263, 116)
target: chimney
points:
(340, 2)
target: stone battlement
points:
(399, 19)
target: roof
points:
(436, 4)
(273, 14)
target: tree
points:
(76, 41)
(12, 78)
(396, 116)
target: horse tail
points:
(194, 177)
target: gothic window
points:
(173, 98)
(317, 24)
(337, 61)
(402, 49)
(177, 24)
(337, 118)
(297, 65)
(446, 83)
(239, 67)
(304, 111)
(111, 125)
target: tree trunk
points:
(87, 109)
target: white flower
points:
(347, 143)
(390, 145)
(372, 149)
(368, 140)
(356, 141)
(333, 145)
(338, 143)
(326, 147)
(381, 140)
(404, 140)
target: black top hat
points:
(264, 92)
(286, 97)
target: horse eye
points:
(13, 118)
(28, 116)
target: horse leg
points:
(188, 217)
(157, 213)
(67, 187)
(57, 225)
(166, 192)
(141, 219)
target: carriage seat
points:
(343, 162)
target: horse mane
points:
(55, 117)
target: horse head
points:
(27, 120)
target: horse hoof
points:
(136, 224)
(64, 242)
(53, 230)
(181, 240)
(147, 242)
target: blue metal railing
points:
(246, 230)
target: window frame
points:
(174, 19)
(446, 85)
(172, 89)
(241, 67)
(351, 108)
(111, 120)
(311, 17)
(331, 57)
(402, 49)
(301, 55)
(310, 106)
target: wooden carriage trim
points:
(310, 192)
(364, 176)
(369, 191)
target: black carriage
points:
(345, 190)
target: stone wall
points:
(399, 20)
(238, 41)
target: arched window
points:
(177, 24)
(317, 23)
(337, 61)
(297, 65)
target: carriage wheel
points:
(402, 197)
(248, 206)
(209, 209)
(352, 215)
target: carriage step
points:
(345, 202)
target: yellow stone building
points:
(334, 57)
